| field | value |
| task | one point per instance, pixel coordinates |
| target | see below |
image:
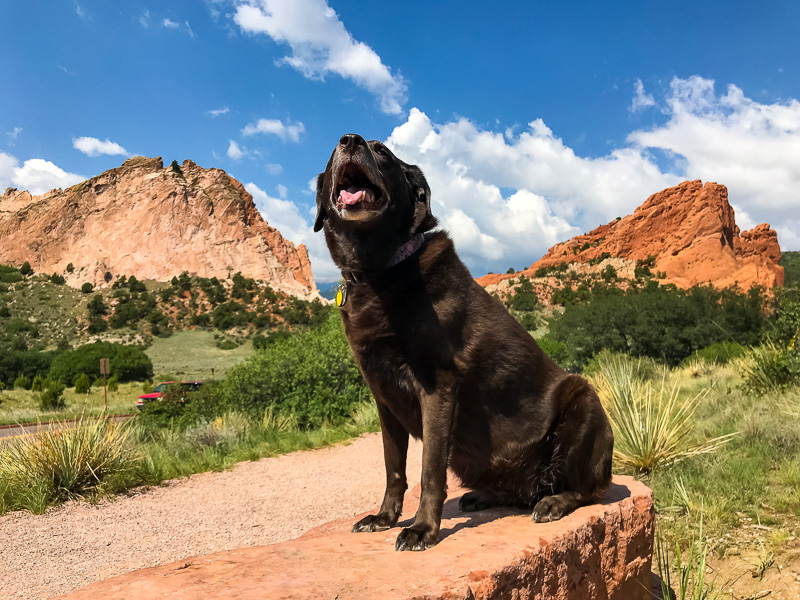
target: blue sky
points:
(533, 121)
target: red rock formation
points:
(152, 222)
(603, 551)
(691, 232)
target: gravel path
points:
(255, 503)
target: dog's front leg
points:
(437, 415)
(395, 451)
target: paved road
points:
(7, 431)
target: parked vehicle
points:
(187, 387)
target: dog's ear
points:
(322, 214)
(419, 186)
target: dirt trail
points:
(253, 504)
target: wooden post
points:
(104, 370)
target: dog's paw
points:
(472, 501)
(416, 539)
(550, 508)
(379, 522)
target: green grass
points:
(192, 354)
(21, 406)
(42, 470)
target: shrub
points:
(29, 363)
(128, 363)
(4, 312)
(57, 279)
(52, 396)
(720, 353)
(65, 462)
(554, 349)
(82, 384)
(97, 325)
(770, 368)
(70, 268)
(528, 320)
(87, 288)
(37, 385)
(651, 425)
(26, 269)
(311, 375)
(226, 345)
(112, 384)
(22, 383)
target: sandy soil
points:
(256, 503)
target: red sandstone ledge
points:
(602, 551)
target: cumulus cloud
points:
(641, 101)
(285, 217)
(235, 152)
(35, 175)
(750, 147)
(13, 135)
(91, 146)
(285, 131)
(321, 45)
(507, 198)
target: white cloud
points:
(13, 135)
(79, 10)
(144, 19)
(285, 131)
(321, 45)
(93, 147)
(752, 148)
(189, 29)
(234, 151)
(217, 112)
(507, 198)
(285, 217)
(274, 169)
(641, 101)
(169, 23)
(35, 175)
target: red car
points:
(158, 392)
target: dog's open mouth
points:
(355, 191)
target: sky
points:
(532, 121)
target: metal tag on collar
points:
(341, 293)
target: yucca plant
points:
(651, 423)
(65, 461)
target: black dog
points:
(446, 362)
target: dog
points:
(446, 362)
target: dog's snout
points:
(350, 141)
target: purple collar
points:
(407, 249)
(403, 252)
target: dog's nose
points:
(350, 141)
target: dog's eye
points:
(381, 149)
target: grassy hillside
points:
(192, 354)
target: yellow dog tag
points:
(341, 294)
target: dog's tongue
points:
(352, 195)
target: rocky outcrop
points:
(152, 222)
(690, 234)
(603, 551)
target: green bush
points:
(37, 385)
(87, 288)
(661, 322)
(57, 279)
(82, 384)
(311, 375)
(720, 353)
(26, 269)
(9, 274)
(29, 363)
(771, 368)
(22, 383)
(112, 384)
(128, 363)
(554, 349)
(52, 396)
(226, 345)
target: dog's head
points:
(367, 192)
